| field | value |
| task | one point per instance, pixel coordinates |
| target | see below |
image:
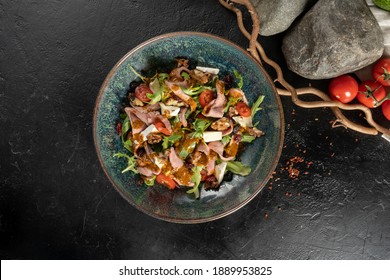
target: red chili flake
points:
(293, 173)
(266, 215)
(270, 188)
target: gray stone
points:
(277, 15)
(333, 38)
(383, 18)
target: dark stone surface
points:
(56, 203)
(335, 37)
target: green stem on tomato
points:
(379, 103)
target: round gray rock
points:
(277, 15)
(335, 37)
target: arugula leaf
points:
(137, 74)
(245, 137)
(201, 124)
(127, 144)
(231, 102)
(157, 91)
(226, 139)
(194, 90)
(240, 82)
(125, 126)
(238, 168)
(256, 105)
(154, 97)
(187, 147)
(185, 75)
(162, 76)
(131, 163)
(196, 178)
(150, 181)
(187, 114)
(123, 116)
(168, 141)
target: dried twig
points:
(258, 53)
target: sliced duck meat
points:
(180, 93)
(182, 116)
(237, 94)
(215, 108)
(136, 124)
(211, 164)
(202, 147)
(218, 147)
(174, 159)
(175, 74)
(145, 116)
(147, 167)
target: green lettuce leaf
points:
(131, 163)
(238, 168)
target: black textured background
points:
(56, 203)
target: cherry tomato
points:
(161, 127)
(372, 88)
(343, 88)
(206, 97)
(386, 109)
(141, 92)
(166, 181)
(381, 71)
(243, 109)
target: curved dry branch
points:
(258, 53)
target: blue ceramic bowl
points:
(262, 155)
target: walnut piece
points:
(255, 132)
(221, 124)
(154, 138)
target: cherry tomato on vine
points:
(386, 109)
(243, 109)
(381, 71)
(206, 97)
(141, 92)
(343, 88)
(166, 181)
(369, 91)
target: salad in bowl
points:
(185, 128)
